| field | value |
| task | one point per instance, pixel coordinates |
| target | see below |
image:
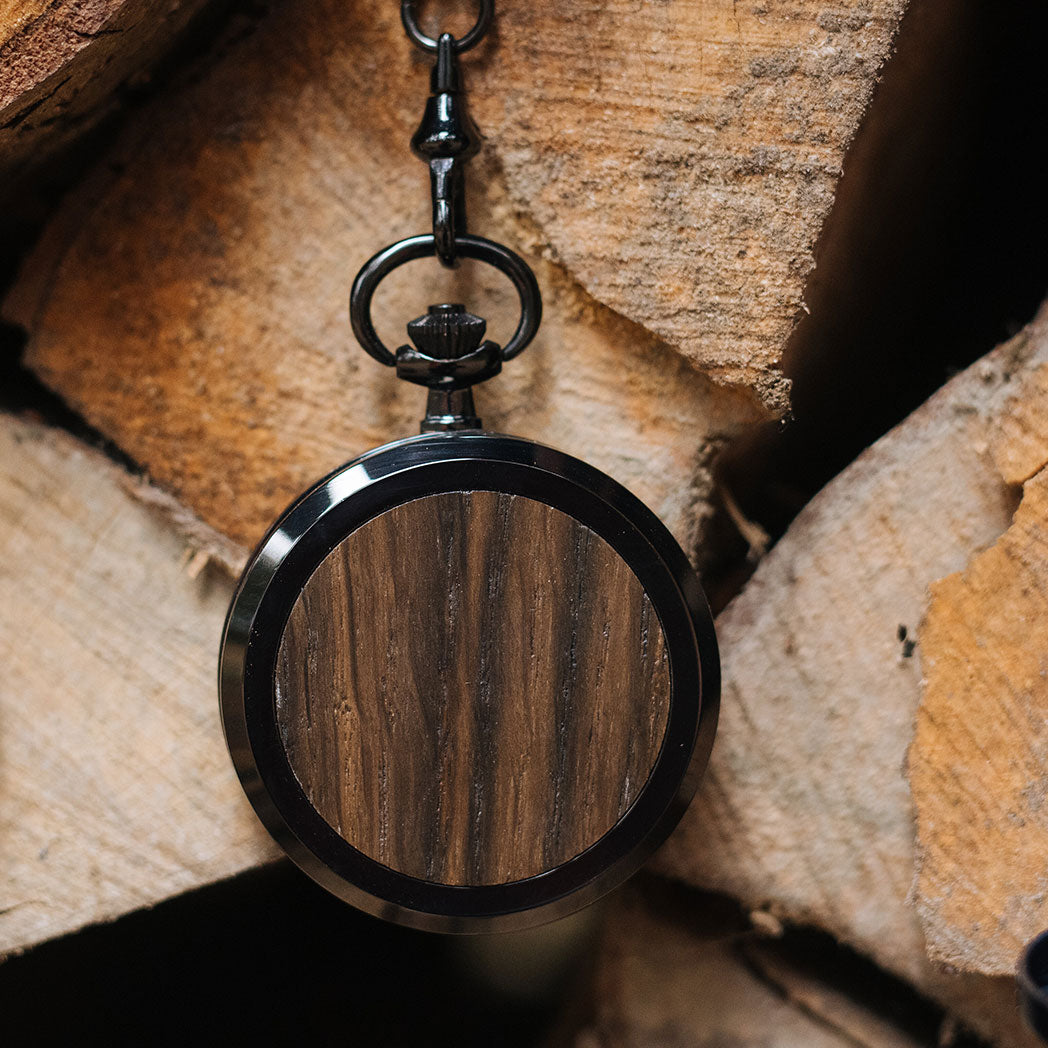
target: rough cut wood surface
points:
(62, 63)
(676, 158)
(806, 807)
(189, 300)
(116, 790)
(680, 978)
(681, 156)
(472, 688)
(979, 763)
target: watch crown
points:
(447, 332)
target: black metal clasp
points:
(450, 353)
(409, 18)
(379, 266)
(446, 139)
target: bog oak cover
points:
(472, 688)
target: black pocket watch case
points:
(469, 682)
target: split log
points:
(667, 979)
(62, 64)
(979, 763)
(190, 300)
(138, 734)
(115, 785)
(806, 808)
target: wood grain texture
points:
(979, 762)
(806, 807)
(684, 977)
(473, 688)
(667, 171)
(680, 158)
(63, 62)
(221, 363)
(116, 790)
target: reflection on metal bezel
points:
(338, 505)
(1032, 978)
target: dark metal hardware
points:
(448, 410)
(1032, 977)
(427, 43)
(375, 270)
(346, 500)
(448, 357)
(446, 332)
(446, 139)
(450, 354)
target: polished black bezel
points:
(319, 521)
(1032, 976)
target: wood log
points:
(670, 978)
(978, 762)
(806, 807)
(62, 63)
(189, 301)
(115, 785)
(220, 361)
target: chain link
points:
(409, 16)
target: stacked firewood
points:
(668, 168)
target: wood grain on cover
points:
(472, 688)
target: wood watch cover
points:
(472, 687)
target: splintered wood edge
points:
(62, 62)
(116, 791)
(803, 808)
(979, 760)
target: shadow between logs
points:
(933, 253)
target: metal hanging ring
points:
(379, 266)
(428, 43)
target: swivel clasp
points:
(446, 139)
